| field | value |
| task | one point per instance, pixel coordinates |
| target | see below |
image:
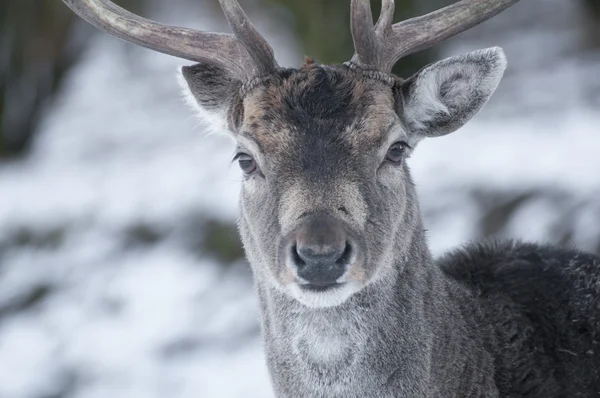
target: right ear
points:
(213, 92)
(443, 96)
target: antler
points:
(246, 53)
(382, 45)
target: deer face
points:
(322, 180)
(328, 206)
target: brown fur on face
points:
(317, 100)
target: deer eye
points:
(396, 152)
(246, 162)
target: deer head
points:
(328, 207)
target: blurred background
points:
(121, 273)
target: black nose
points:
(321, 252)
(322, 267)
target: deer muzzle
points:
(320, 251)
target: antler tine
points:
(225, 50)
(419, 33)
(258, 48)
(386, 17)
(366, 42)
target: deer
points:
(352, 302)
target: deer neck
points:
(387, 333)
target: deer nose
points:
(321, 266)
(321, 252)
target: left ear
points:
(212, 91)
(443, 96)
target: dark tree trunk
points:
(34, 54)
(38, 45)
(593, 26)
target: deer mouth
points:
(323, 296)
(317, 288)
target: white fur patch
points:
(323, 347)
(426, 101)
(328, 298)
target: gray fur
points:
(488, 321)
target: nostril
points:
(346, 255)
(298, 261)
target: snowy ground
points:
(103, 289)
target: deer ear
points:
(443, 96)
(212, 91)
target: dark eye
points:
(246, 162)
(396, 152)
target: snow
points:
(516, 154)
(118, 150)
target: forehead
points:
(316, 106)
